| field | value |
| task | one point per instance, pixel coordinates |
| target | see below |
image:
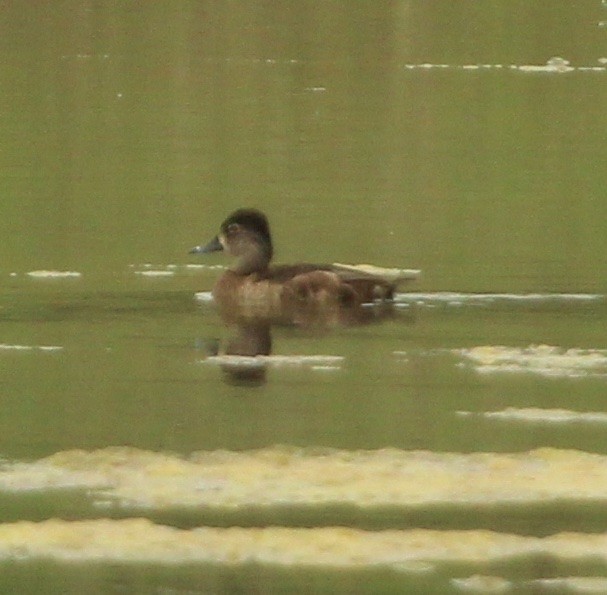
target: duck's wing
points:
(372, 283)
(392, 276)
(346, 272)
(349, 283)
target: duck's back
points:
(302, 294)
(329, 284)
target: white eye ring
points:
(233, 228)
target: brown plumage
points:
(256, 285)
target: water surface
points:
(456, 445)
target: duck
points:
(252, 281)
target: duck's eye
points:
(233, 228)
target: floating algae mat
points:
(143, 483)
(295, 477)
(134, 540)
(544, 360)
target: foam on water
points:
(10, 347)
(538, 415)
(210, 267)
(480, 583)
(312, 361)
(155, 273)
(570, 584)
(139, 540)
(53, 274)
(206, 297)
(555, 65)
(451, 298)
(545, 360)
(274, 477)
(278, 476)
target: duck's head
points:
(245, 234)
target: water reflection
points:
(250, 339)
(245, 357)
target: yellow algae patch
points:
(305, 477)
(140, 540)
(546, 360)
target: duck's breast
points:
(248, 294)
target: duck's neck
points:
(254, 260)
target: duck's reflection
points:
(250, 336)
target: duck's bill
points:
(213, 246)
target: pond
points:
(453, 441)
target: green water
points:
(129, 131)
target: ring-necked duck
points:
(245, 235)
